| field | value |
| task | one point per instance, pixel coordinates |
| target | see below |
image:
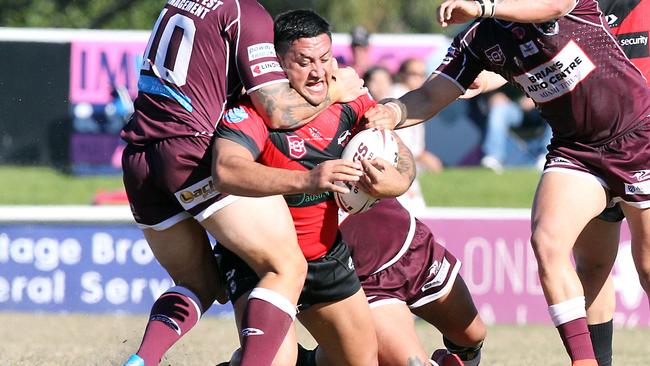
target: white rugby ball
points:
(368, 144)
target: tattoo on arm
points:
(405, 160)
(281, 101)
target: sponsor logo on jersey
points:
(617, 11)
(641, 175)
(297, 147)
(251, 332)
(638, 188)
(344, 138)
(350, 264)
(260, 50)
(558, 76)
(635, 45)
(439, 271)
(196, 193)
(265, 68)
(235, 115)
(193, 7)
(306, 199)
(496, 55)
(529, 48)
(612, 20)
(315, 133)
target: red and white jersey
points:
(630, 22)
(573, 68)
(199, 56)
(315, 216)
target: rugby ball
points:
(367, 144)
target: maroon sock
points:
(266, 321)
(172, 315)
(576, 339)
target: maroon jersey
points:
(199, 55)
(573, 68)
(374, 244)
(314, 216)
(630, 22)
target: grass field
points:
(455, 187)
(101, 340)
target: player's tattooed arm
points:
(405, 161)
(283, 108)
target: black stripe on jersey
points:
(617, 10)
(236, 135)
(315, 155)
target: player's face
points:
(308, 64)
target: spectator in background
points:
(513, 113)
(379, 82)
(360, 46)
(410, 75)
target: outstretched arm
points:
(429, 99)
(521, 11)
(486, 81)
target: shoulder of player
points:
(243, 110)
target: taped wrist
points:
(488, 8)
(399, 107)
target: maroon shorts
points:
(622, 165)
(424, 273)
(170, 180)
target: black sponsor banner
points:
(34, 107)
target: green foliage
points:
(455, 187)
(379, 16)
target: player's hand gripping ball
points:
(368, 144)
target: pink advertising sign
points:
(500, 270)
(96, 65)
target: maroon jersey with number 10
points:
(198, 57)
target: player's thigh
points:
(639, 221)
(344, 330)
(186, 254)
(260, 231)
(565, 201)
(396, 336)
(596, 248)
(454, 315)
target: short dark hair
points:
(296, 24)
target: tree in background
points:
(378, 16)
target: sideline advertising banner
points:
(106, 266)
(500, 270)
